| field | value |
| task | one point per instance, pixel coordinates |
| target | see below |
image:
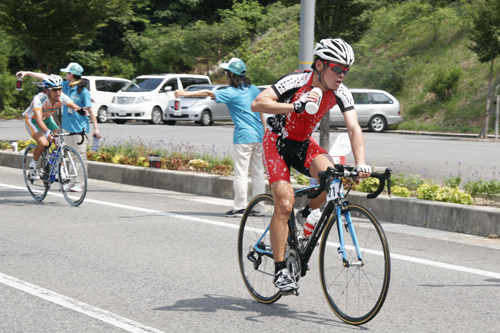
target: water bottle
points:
(311, 223)
(312, 107)
(95, 143)
(52, 157)
(19, 82)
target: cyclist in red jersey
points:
(288, 142)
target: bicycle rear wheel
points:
(355, 293)
(38, 188)
(257, 269)
(72, 175)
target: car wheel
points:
(377, 124)
(155, 116)
(206, 118)
(169, 122)
(119, 121)
(102, 114)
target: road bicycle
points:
(354, 271)
(63, 165)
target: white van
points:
(147, 96)
(102, 89)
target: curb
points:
(472, 220)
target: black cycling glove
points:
(300, 104)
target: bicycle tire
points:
(37, 188)
(356, 293)
(258, 272)
(71, 170)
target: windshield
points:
(141, 85)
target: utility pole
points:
(307, 17)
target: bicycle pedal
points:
(291, 292)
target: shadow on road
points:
(213, 303)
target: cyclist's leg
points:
(320, 163)
(283, 206)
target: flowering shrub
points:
(444, 194)
(400, 191)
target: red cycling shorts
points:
(280, 154)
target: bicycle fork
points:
(350, 229)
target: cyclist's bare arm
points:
(356, 138)
(266, 103)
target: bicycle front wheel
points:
(257, 265)
(357, 290)
(39, 185)
(72, 176)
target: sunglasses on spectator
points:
(338, 69)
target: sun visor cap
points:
(73, 68)
(236, 66)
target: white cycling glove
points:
(49, 132)
(363, 168)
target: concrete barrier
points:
(431, 214)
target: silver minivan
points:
(147, 96)
(376, 110)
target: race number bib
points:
(335, 187)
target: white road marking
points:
(132, 326)
(89, 310)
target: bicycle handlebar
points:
(345, 171)
(82, 134)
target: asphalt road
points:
(429, 156)
(133, 259)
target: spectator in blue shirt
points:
(248, 132)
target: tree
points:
(485, 35)
(52, 28)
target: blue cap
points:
(73, 68)
(236, 66)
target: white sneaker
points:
(76, 188)
(34, 174)
(284, 281)
(67, 188)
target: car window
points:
(379, 98)
(361, 98)
(170, 83)
(114, 86)
(189, 81)
(87, 83)
(100, 85)
(144, 84)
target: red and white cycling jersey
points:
(299, 126)
(42, 101)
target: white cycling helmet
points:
(336, 50)
(52, 81)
